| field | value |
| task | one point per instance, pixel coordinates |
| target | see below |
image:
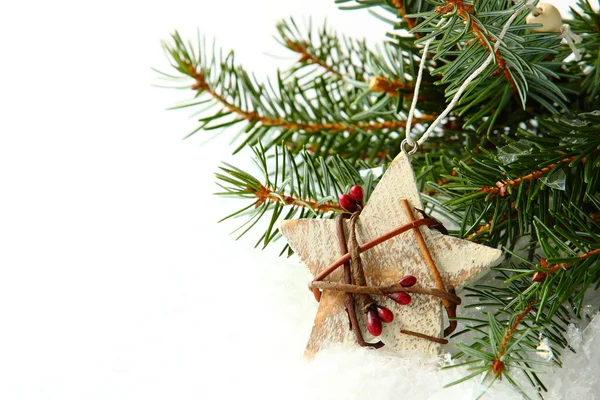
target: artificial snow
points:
(269, 361)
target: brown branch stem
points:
(501, 186)
(310, 58)
(306, 127)
(411, 22)
(551, 268)
(498, 364)
(265, 194)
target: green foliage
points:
(585, 23)
(515, 165)
(292, 186)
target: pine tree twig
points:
(411, 22)
(486, 227)
(307, 57)
(267, 195)
(440, 182)
(498, 364)
(312, 149)
(307, 127)
(501, 188)
(465, 12)
(391, 87)
(552, 268)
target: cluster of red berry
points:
(377, 314)
(353, 199)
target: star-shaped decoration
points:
(316, 243)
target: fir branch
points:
(292, 186)
(549, 268)
(465, 12)
(492, 224)
(410, 22)
(265, 195)
(309, 58)
(501, 187)
(337, 55)
(392, 87)
(498, 362)
(586, 23)
(200, 85)
(327, 116)
(525, 69)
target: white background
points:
(116, 282)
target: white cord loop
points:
(572, 39)
(411, 151)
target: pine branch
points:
(586, 23)
(200, 85)
(549, 268)
(323, 116)
(465, 39)
(337, 55)
(410, 22)
(498, 362)
(400, 9)
(502, 187)
(302, 185)
(466, 13)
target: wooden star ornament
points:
(316, 243)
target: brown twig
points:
(390, 86)
(307, 57)
(356, 262)
(433, 270)
(551, 268)
(264, 194)
(306, 127)
(348, 298)
(423, 336)
(486, 227)
(383, 290)
(501, 186)
(498, 364)
(411, 22)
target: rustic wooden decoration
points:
(316, 243)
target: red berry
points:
(374, 323)
(357, 193)
(408, 281)
(385, 314)
(347, 203)
(402, 298)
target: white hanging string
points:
(572, 39)
(458, 94)
(413, 105)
